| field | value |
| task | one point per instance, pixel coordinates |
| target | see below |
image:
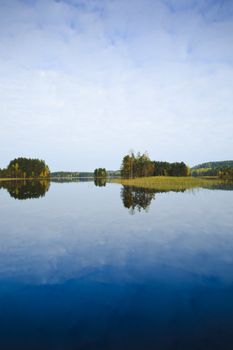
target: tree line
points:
(141, 165)
(71, 174)
(226, 174)
(212, 168)
(219, 171)
(26, 168)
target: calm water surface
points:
(105, 267)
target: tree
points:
(26, 168)
(100, 173)
(142, 166)
(127, 167)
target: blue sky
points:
(84, 82)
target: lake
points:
(112, 267)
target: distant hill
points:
(114, 173)
(211, 168)
(214, 165)
(80, 174)
(70, 174)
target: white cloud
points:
(81, 85)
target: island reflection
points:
(100, 182)
(134, 198)
(27, 189)
(137, 199)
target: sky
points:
(83, 82)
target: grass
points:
(168, 183)
(23, 178)
(9, 179)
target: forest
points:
(212, 168)
(141, 165)
(23, 168)
(226, 174)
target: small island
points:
(25, 168)
(136, 170)
(140, 171)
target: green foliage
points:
(211, 168)
(141, 166)
(214, 165)
(226, 174)
(171, 169)
(100, 173)
(25, 168)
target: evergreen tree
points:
(141, 166)
(26, 168)
(100, 173)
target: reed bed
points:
(168, 183)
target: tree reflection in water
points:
(100, 182)
(136, 199)
(26, 189)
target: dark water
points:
(105, 267)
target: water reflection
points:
(100, 182)
(133, 198)
(77, 272)
(136, 199)
(71, 179)
(224, 186)
(26, 189)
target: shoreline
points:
(23, 178)
(169, 182)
